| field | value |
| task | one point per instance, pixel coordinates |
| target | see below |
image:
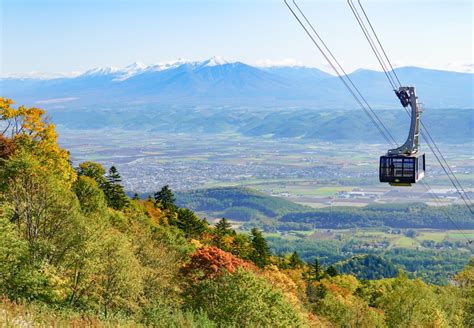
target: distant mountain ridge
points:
(219, 82)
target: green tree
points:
(94, 171)
(295, 260)
(242, 246)
(465, 281)
(114, 192)
(91, 197)
(43, 208)
(223, 227)
(165, 199)
(411, 303)
(315, 270)
(14, 269)
(190, 223)
(119, 278)
(261, 252)
(332, 271)
(349, 311)
(242, 299)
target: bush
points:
(244, 300)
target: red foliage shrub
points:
(209, 262)
(6, 147)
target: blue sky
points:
(55, 36)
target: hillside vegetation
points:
(240, 204)
(76, 251)
(274, 213)
(306, 123)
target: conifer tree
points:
(223, 227)
(332, 271)
(315, 270)
(165, 199)
(190, 223)
(113, 176)
(261, 251)
(116, 197)
(295, 260)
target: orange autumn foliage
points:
(209, 262)
(155, 214)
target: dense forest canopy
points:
(75, 250)
(274, 213)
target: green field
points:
(373, 236)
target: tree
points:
(91, 197)
(465, 280)
(113, 176)
(242, 246)
(242, 299)
(223, 227)
(315, 270)
(411, 233)
(210, 262)
(190, 223)
(119, 278)
(13, 261)
(332, 271)
(224, 235)
(29, 129)
(94, 171)
(411, 303)
(165, 199)
(261, 252)
(116, 197)
(295, 260)
(43, 208)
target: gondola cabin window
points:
(401, 169)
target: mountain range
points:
(216, 82)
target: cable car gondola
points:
(404, 165)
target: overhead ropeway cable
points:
(342, 74)
(437, 200)
(372, 45)
(391, 77)
(379, 43)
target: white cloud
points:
(460, 67)
(40, 75)
(448, 66)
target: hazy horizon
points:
(263, 65)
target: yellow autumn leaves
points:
(28, 128)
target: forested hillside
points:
(241, 204)
(274, 213)
(76, 251)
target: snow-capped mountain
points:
(137, 68)
(219, 82)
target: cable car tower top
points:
(408, 97)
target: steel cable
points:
(429, 139)
(374, 118)
(374, 121)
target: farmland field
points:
(317, 174)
